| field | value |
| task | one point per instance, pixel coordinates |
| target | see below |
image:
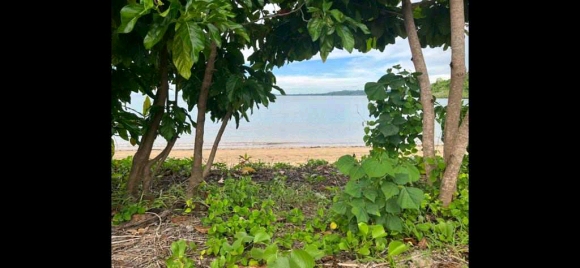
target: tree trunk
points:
(159, 159)
(141, 157)
(197, 171)
(428, 142)
(457, 76)
(449, 182)
(216, 143)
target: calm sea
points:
(292, 121)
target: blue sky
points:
(350, 71)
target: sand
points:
(292, 156)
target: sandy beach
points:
(292, 156)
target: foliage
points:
(440, 115)
(394, 102)
(378, 191)
(127, 212)
(440, 88)
(178, 258)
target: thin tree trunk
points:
(457, 76)
(428, 142)
(449, 182)
(159, 159)
(216, 143)
(141, 157)
(196, 170)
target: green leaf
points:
(389, 190)
(315, 27)
(301, 259)
(375, 169)
(280, 262)
(129, 16)
(232, 84)
(396, 248)
(257, 253)
(261, 236)
(337, 14)
(215, 34)
(370, 194)
(401, 176)
(189, 40)
(345, 163)
(394, 223)
(378, 231)
(313, 251)
(375, 91)
(156, 33)
(410, 197)
(373, 208)
(391, 206)
(147, 3)
(339, 207)
(412, 171)
(346, 37)
(326, 5)
(363, 228)
(146, 105)
(388, 130)
(364, 251)
(353, 189)
(326, 46)
(270, 253)
(356, 172)
(360, 213)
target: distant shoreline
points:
(291, 155)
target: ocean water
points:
(291, 121)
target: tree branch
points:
(278, 15)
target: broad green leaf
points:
(337, 14)
(345, 163)
(364, 251)
(215, 34)
(378, 231)
(363, 228)
(423, 226)
(270, 253)
(147, 3)
(327, 44)
(375, 169)
(399, 120)
(189, 40)
(389, 190)
(261, 236)
(146, 105)
(313, 251)
(326, 5)
(394, 223)
(373, 208)
(375, 91)
(129, 16)
(346, 37)
(257, 253)
(401, 176)
(280, 262)
(360, 214)
(156, 33)
(301, 259)
(315, 27)
(384, 119)
(396, 247)
(356, 172)
(370, 194)
(232, 84)
(412, 171)
(410, 197)
(353, 189)
(388, 130)
(339, 207)
(391, 206)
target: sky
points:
(350, 71)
